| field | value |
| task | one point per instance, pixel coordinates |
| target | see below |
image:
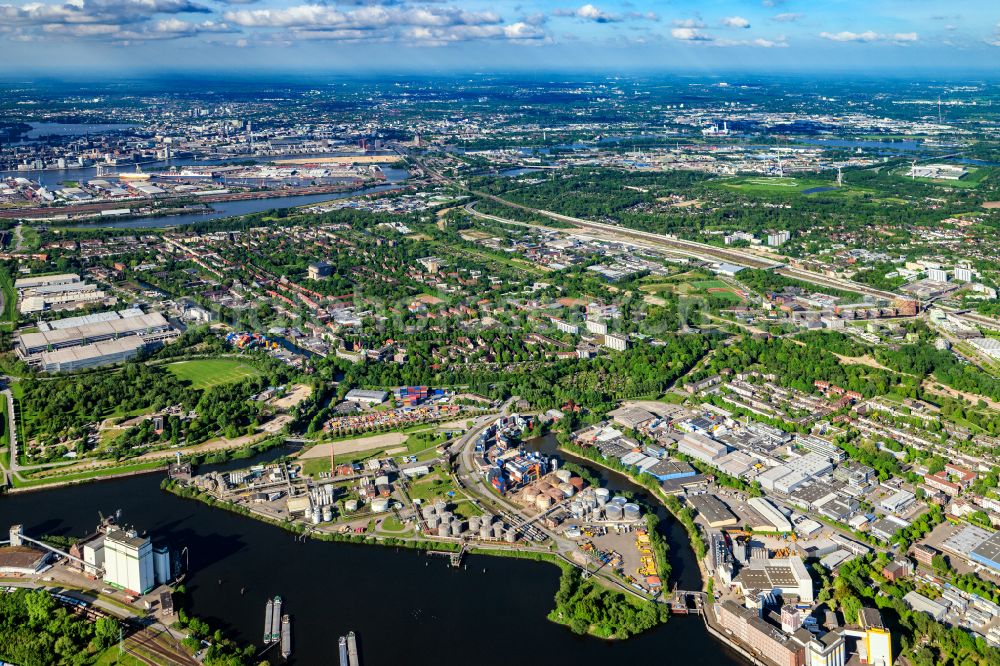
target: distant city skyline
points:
(400, 35)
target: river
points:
(406, 607)
(393, 178)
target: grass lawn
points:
(431, 487)
(209, 372)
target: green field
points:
(209, 372)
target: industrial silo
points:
(444, 529)
(456, 528)
(474, 524)
(613, 512)
(632, 512)
(602, 495)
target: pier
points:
(454, 558)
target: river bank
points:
(377, 592)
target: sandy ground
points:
(298, 393)
(932, 387)
(454, 425)
(861, 360)
(662, 409)
(354, 445)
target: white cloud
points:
(689, 23)
(589, 12)
(787, 17)
(690, 35)
(736, 22)
(870, 36)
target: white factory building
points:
(128, 562)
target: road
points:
(471, 481)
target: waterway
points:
(407, 608)
(393, 178)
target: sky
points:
(360, 36)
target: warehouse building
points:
(988, 552)
(773, 519)
(713, 510)
(34, 282)
(919, 602)
(95, 343)
(701, 447)
(365, 397)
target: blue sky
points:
(404, 35)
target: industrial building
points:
(987, 553)
(713, 510)
(365, 397)
(784, 576)
(99, 342)
(919, 602)
(763, 638)
(128, 562)
(700, 447)
(774, 520)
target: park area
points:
(209, 372)
(692, 283)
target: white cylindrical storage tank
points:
(620, 501)
(484, 531)
(327, 513)
(497, 531)
(543, 502)
(444, 529)
(316, 515)
(510, 535)
(632, 512)
(456, 528)
(380, 504)
(427, 512)
(351, 505)
(613, 512)
(567, 489)
(553, 464)
(440, 506)
(576, 509)
(564, 475)
(589, 500)
(602, 495)
(474, 524)
(433, 522)
(446, 516)
(486, 519)
(530, 495)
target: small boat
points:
(342, 648)
(286, 636)
(267, 621)
(276, 620)
(352, 649)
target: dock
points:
(455, 559)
